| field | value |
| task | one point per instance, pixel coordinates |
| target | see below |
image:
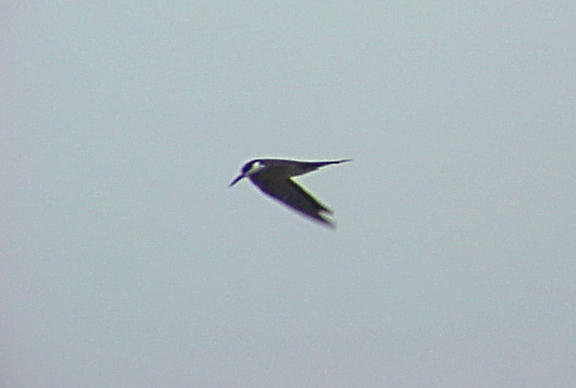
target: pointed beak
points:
(236, 180)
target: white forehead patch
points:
(254, 168)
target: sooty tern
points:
(272, 176)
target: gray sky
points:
(128, 262)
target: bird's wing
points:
(291, 194)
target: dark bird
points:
(272, 176)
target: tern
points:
(272, 177)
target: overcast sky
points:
(128, 262)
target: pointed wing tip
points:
(330, 225)
(324, 221)
(321, 217)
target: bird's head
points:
(250, 168)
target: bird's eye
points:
(247, 167)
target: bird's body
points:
(272, 177)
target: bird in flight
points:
(272, 177)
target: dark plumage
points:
(272, 177)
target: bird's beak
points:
(236, 180)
